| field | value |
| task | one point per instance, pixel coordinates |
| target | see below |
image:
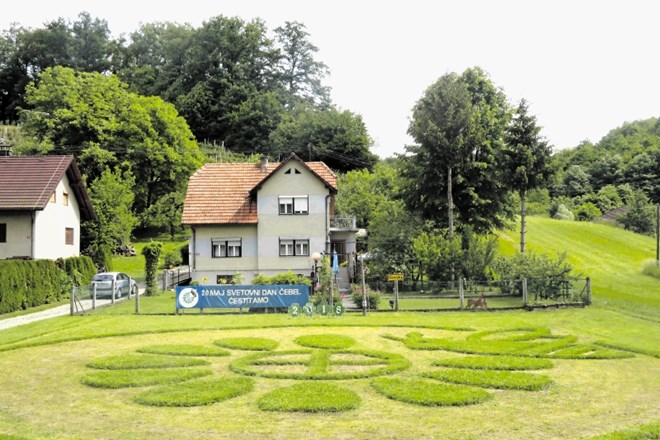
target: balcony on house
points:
(343, 224)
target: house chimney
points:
(264, 164)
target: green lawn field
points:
(568, 373)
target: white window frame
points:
(294, 247)
(226, 248)
(293, 205)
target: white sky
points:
(585, 66)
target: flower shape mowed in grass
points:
(320, 364)
(176, 377)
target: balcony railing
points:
(343, 223)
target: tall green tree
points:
(439, 126)
(112, 197)
(362, 192)
(339, 138)
(458, 127)
(95, 118)
(526, 159)
(301, 74)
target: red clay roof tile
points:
(219, 193)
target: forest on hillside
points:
(142, 112)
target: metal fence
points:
(484, 295)
(84, 299)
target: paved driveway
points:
(56, 311)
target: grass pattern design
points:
(249, 344)
(326, 341)
(505, 380)
(184, 350)
(136, 361)
(508, 363)
(197, 392)
(141, 378)
(310, 397)
(428, 393)
(537, 343)
(321, 364)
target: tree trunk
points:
(523, 214)
(450, 204)
(450, 214)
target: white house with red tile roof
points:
(265, 218)
(42, 202)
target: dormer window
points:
(294, 205)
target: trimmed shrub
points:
(80, 269)
(151, 254)
(373, 297)
(30, 283)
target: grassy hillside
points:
(613, 258)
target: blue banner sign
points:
(207, 297)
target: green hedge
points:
(80, 269)
(31, 283)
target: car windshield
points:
(105, 277)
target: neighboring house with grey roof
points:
(42, 203)
(264, 218)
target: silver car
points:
(123, 284)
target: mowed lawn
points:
(613, 258)
(47, 367)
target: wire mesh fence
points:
(483, 295)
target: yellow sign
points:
(395, 277)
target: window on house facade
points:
(68, 235)
(293, 247)
(53, 197)
(294, 205)
(226, 247)
(3, 232)
(65, 199)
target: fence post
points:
(461, 292)
(93, 296)
(524, 291)
(113, 286)
(72, 300)
(588, 302)
(137, 302)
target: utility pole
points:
(364, 289)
